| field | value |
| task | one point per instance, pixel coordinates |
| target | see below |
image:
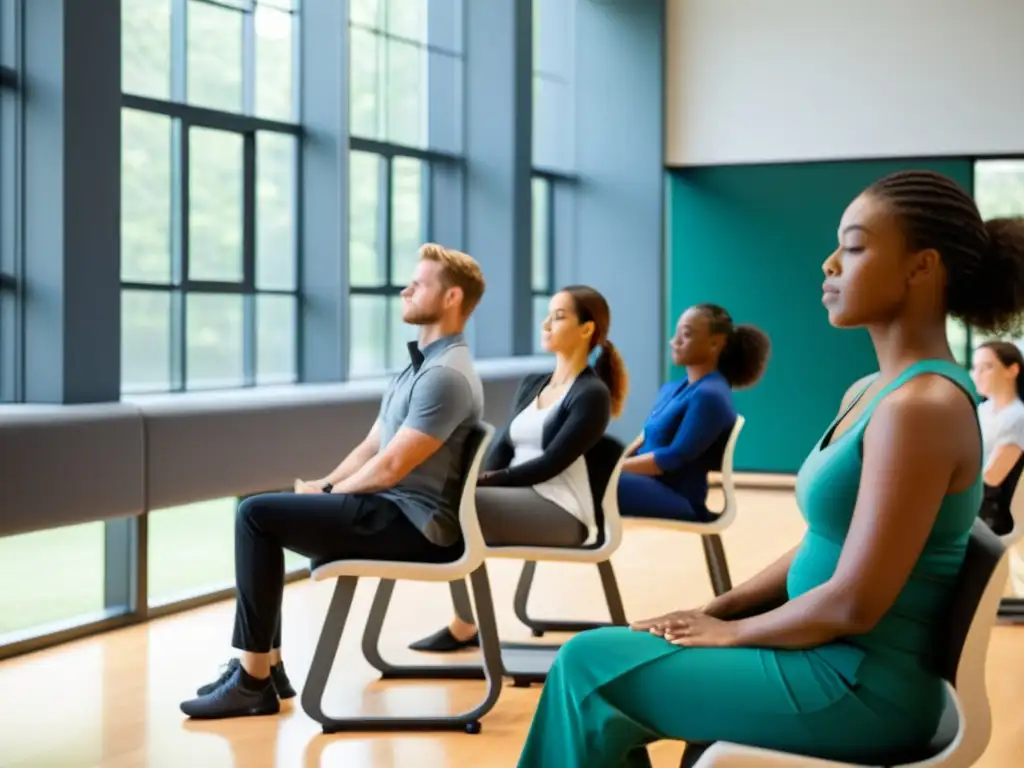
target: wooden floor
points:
(112, 701)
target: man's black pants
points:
(322, 527)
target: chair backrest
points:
(604, 466)
(1016, 504)
(965, 639)
(731, 503)
(477, 443)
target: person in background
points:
(829, 652)
(395, 496)
(688, 428)
(998, 374)
(535, 488)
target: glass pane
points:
(275, 339)
(49, 576)
(145, 341)
(541, 224)
(215, 205)
(365, 84)
(406, 93)
(407, 216)
(399, 336)
(274, 64)
(213, 341)
(369, 13)
(146, 48)
(540, 312)
(365, 251)
(191, 549)
(214, 57)
(145, 197)
(275, 211)
(368, 323)
(552, 124)
(999, 187)
(408, 19)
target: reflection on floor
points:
(112, 701)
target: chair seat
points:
(717, 525)
(396, 569)
(945, 733)
(556, 554)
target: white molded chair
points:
(966, 724)
(527, 663)
(710, 532)
(1012, 608)
(347, 574)
(600, 554)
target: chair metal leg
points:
(1011, 610)
(718, 566)
(327, 649)
(469, 670)
(461, 601)
(613, 598)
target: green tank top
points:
(826, 492)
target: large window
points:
(9, 185)
(209, 254)
(405, 97)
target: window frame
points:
(434, 161)
(183, 118)
(11, 199)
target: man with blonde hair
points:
(395, 496)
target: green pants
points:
(612, 691)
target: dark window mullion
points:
(249, 258)
(180, 255)
(549, 236)
(388, 257)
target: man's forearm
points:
(351, 464)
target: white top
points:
(1002, 427)
(571, 488)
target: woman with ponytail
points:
(687, 430)
(998, 374)
(535, 489)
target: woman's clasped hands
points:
(692, 628)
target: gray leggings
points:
(511, 517)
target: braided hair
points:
(744, 357)
(984, 261)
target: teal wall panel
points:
(753, 238)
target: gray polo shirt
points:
(439, 394)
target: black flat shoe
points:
(443, 641)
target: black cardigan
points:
(576, 427)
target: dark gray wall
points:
(618, 218)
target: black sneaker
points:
(278, 677)
(443, 641)
(240, 695)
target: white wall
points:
(783, 80)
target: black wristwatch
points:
(328, 488)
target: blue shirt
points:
(687, 431)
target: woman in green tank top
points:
(828, 652)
